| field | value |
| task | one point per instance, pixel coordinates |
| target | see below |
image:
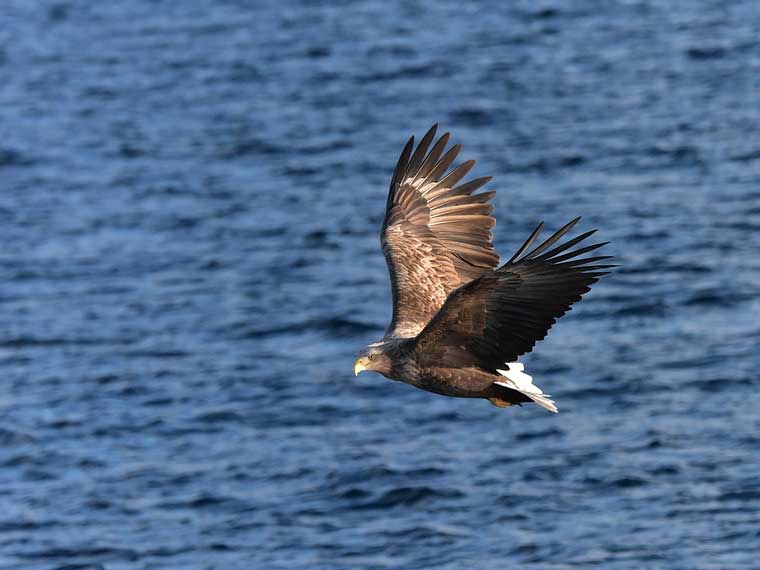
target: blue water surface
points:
(190, 200)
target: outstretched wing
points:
(502, 315)
(436, 236)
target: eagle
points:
(460, 320)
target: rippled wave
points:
(190, 199)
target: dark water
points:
(190, 196)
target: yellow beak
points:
(360, 365)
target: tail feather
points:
(518, 380)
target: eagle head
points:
(372, 358)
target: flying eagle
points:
(460, 320)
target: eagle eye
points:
(372, 357)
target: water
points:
(190, 198)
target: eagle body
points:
(460, 320)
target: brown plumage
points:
(460, 322)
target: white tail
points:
(523, 383)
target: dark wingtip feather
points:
(445, 161)
(554, 238)
(469, 187)
(568, 261)
(399, 171)
(551, 255)
(554, 258)
(422, 148)
(432, 157)
(455, 175)
(528, 242)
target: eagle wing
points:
(501, 315)
(436, 236)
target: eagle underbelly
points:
(456, 382)
(511, 384)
